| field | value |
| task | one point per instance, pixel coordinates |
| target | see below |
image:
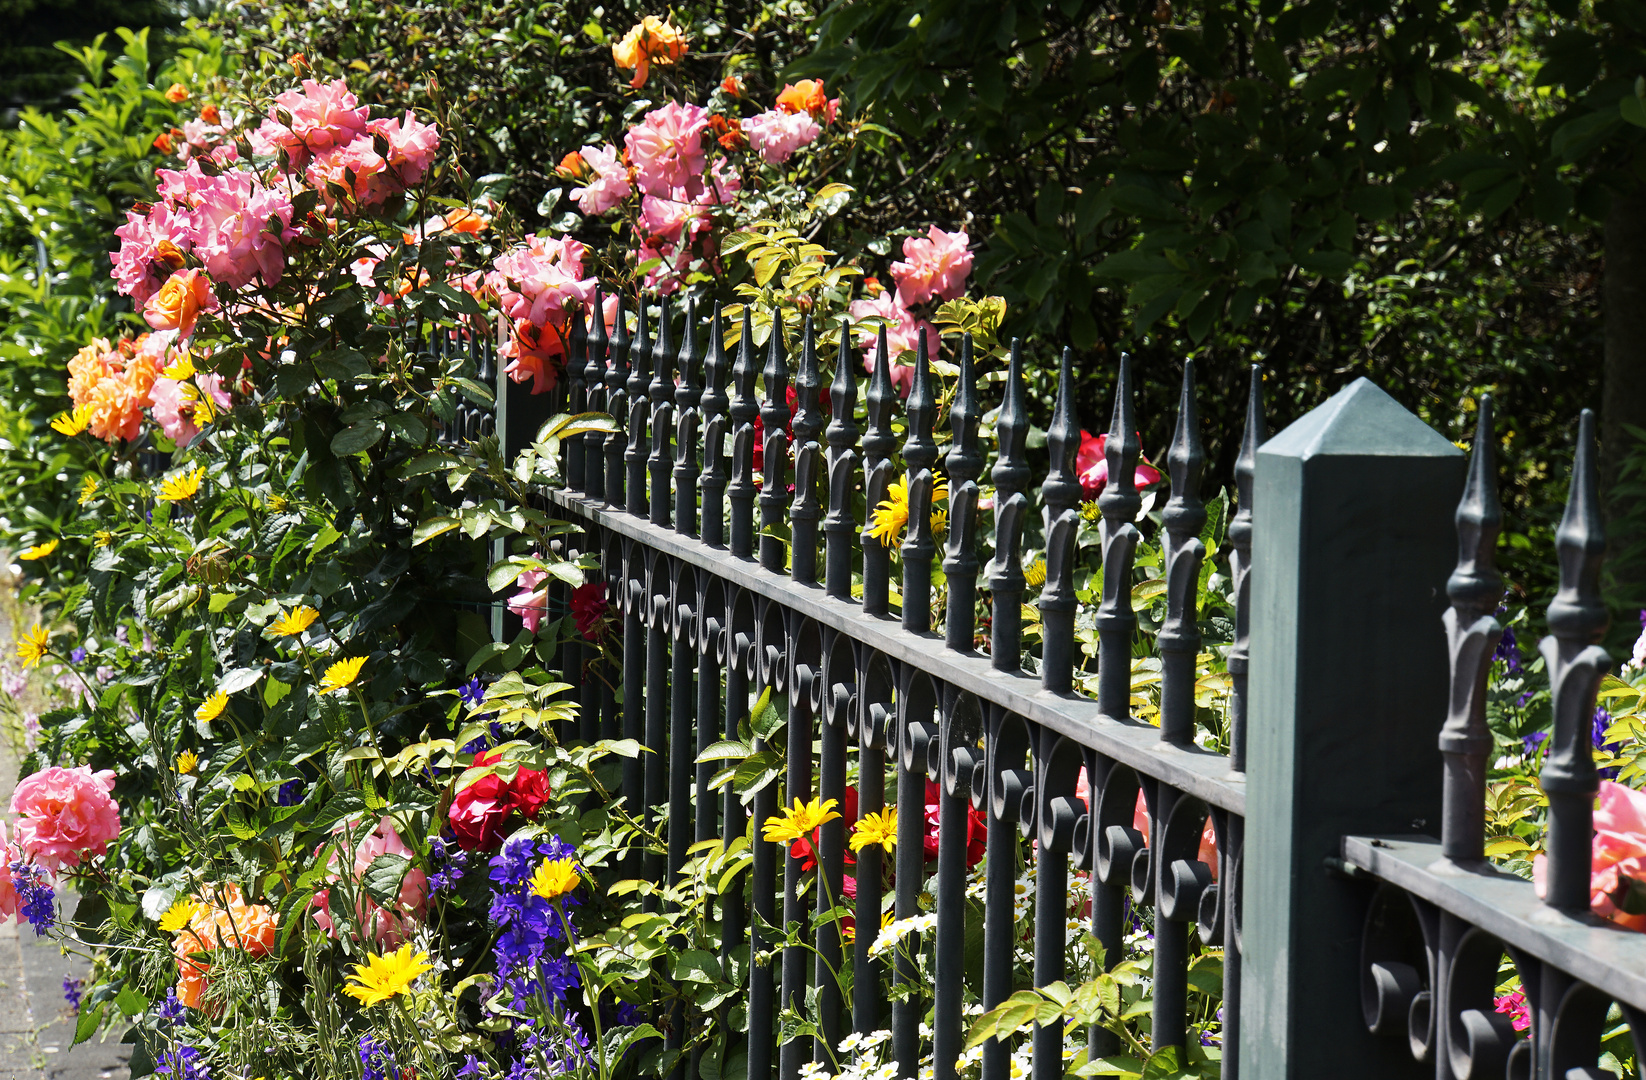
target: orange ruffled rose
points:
(178, 304)
(808, 96)
(652, 41)
(250, 927)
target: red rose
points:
(977, 828)
(589, 608)
(480, 812)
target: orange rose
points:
(732, 86)
(651, 41)
(808, 96)
(177, 92)
(210, 115)
(178, 304)
(465, 221)
(571, 167)
(162, 142)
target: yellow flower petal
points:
(88, 489)
(34, 646)
(879, 829)
(342, 673)
(179, 915)
(212, 707)
(183, 486)
(40, 551)
(295, 623)
(383, 977)
(555, 878)
(799, 820)
(187, 762)
(73, 423)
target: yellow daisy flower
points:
(295, 623)
(179, 915)
(73, 423)
(32, 649)
(180, 369)
(187, 762)
(342, 673)
(893, 512)
(555, 878)
(799, 820)
(877, 829)
(1036, 574)
(383, 977)
(212, 707)
(102, 538)
(182, 487)
(40, 551)
(204, 411)
(88, 490)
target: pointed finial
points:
(662, 354)
(879, 441)
(1475, 587)
(1185, 510)
(1122, 450)
(690, 361)
(1577, 611)
(1062, 487)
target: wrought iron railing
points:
(717, 605)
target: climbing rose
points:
(667, 149)
(178, 304)
(1617, 873)
(776, 135)
(322, 116)
(608, 180)
(808, 96)
(903, 332)
(536, 285)
(65, 815)
(935, 265)
(152, 247)
(388, 928)
(651, 41)
(530, 602)
(589, 608)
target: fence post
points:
(1352, 546)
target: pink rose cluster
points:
(666, 160)
(65, 817)
(119, 381)
(229, 227)
(934, 268)
(387, 928)
(540, 285)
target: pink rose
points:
(65, 815)
(934, 266)
(903, 332)
(388, 928)
(152, 247)
(174, 411)
(8, 891)
(608, 182)
(231, 230)
(530, 602)
(667, 149)
(536, 285)
(776, 135)
(412, 146)
(323, 115)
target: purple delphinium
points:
(1508, 650)
(471, 1067)
(290, 793)
(171, 1010)
(376, 1060)
(1533, 741)
(183, 1063)
(1602, 721)
(37, 900)
(622, 1014)
(77, 655)
(72, 992)
(472, 693)
(447, 865)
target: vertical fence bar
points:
(878, 444)
(831, 783)
(656, 762)
(919, 455)
(804, 511)
(710, 648)
(635, 454)
(715, 405)
(913, 748)
(636, 599)
(1324, 706)
(1006, 781)
(874, 720)
(1119, 504)
(1051, 864)
(965, 465)
(745, 410)
(797, 785)
(1005, 570)
(1184, 517)
(594, 474)
(617, 404)
(686, 398)
(1472, 633)
(1061, 494)
(682, 739)
(840, 527)
(774, 468)
(577, 367)
(1571, 651)
(762, 978)
(661, 393)
(1240, 568)
(955, 763)
(734, 819)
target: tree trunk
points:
(1623, 395)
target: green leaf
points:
(382, 878)
(357, 437)
(433, 527)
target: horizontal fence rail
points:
(731, 511)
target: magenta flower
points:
(667, 149)
(776, 135)
(1515, 1007)
(530, 602)
(1093, 468)
(608, 182)
(935, 265)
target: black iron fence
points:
(733, 534)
